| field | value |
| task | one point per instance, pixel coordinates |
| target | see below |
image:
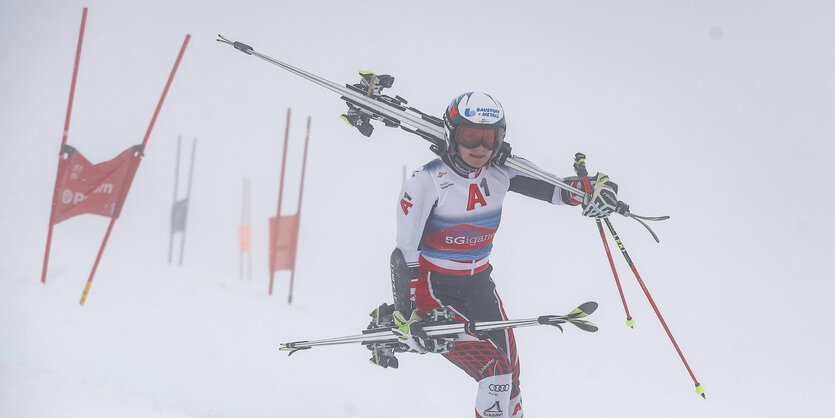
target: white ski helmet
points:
(473, 109)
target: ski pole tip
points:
(700, 390)
(630, 322)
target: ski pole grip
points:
(580, 169)
(580, 165)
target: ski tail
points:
(583, 310)
(556, 320)
(584, 325)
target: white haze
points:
(717, 113)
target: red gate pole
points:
(64, 142)
(249, 230)
(240, 233)
(165, 92)
(274, 243)
(74, 76)
(141, 150)
(299, 220)
(96, 264)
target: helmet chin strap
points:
(458, 165)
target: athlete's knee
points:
(516, 407)
(493, 398)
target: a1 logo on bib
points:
(475, 197)
(405, 204)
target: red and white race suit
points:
(446, 223)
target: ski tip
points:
(293, 347)
(240, 46)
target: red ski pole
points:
(580, 169)
(699, 388)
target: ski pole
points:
(699, 388)
(580, 169)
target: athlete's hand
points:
(603, 199)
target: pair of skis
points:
(450, 329)
(366, 102)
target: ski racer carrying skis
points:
(448, 213)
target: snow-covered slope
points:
(718, 114)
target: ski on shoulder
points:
(366, 102)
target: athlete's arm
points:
(542, 190)
(417, 198)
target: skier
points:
(448, 214)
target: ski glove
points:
(603, 199)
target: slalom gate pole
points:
(244, 231)
(74, 77)
(174, 205)
(699, 388)
(249, 230)
(243, 222)
(274, 244)
(141, 150)
(63, 142)
(580, 169)
(188, 201)
(165, 91)
(96, 264)
(299, 220)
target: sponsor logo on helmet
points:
(484, 112)
(488, 112)
(499, 388)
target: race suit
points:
(446, 223)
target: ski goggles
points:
(471, 137)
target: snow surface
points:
(719, 114)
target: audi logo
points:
(499, 388)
